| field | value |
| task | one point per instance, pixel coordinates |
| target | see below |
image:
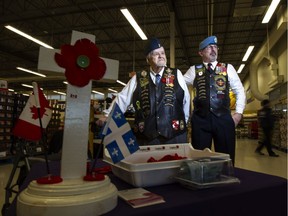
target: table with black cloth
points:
(257, 194)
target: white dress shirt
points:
(124, 98)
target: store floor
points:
(245, 158)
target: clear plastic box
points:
(136, 171)
(206, 172)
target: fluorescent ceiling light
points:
(270, 11)
(32, 72)
(241, 68)
(112, 90)
(96, 92)
(28, 36)
(61, 93)
(134, 24)
(122, 83)
(248, 52)
(29, 86)
(11, 90)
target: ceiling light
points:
(11, 90)
(32, 72)
(270, 11)
(28, 36)
(112, 90)
(28, 86)
(248, 52)
(61, 93)
(134, 24)
(122, 83)
(241, 68)
(96, 92)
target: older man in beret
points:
(160, 98)
(212, 118)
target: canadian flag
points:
(28, 125)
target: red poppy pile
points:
(81, 62)
(166, 158)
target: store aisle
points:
(245, 158)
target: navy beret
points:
(153, 44)
(207, 41)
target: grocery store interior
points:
(180, 26)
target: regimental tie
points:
(210, 69)
(158, 78)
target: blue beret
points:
(207, 41)
(153, 44)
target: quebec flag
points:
(119, 138)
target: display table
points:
(257, 194)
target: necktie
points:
(210, 68)
(158, 77)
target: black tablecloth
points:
(257, 194)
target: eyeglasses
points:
(210, 47)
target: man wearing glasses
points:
(212, 118)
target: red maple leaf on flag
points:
(35, 112)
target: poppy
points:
(81, 62)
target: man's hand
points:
(237, 118)
(100, 122)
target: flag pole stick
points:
(103, 134)
(36, 96)
(96, 156)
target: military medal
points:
(141, 126)
(168, 78)
(175, 124)
(221, 69)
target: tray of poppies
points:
(157, 164)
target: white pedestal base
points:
(70, 197)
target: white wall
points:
(265, 74)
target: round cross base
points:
(70, 197)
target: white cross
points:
(77, 111)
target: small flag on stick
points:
(28, 125)
(119, 138)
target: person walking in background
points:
(211, 118)
(160, 98)
(266, 121)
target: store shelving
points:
(11, 106)
(57, 118)
(248, 127)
